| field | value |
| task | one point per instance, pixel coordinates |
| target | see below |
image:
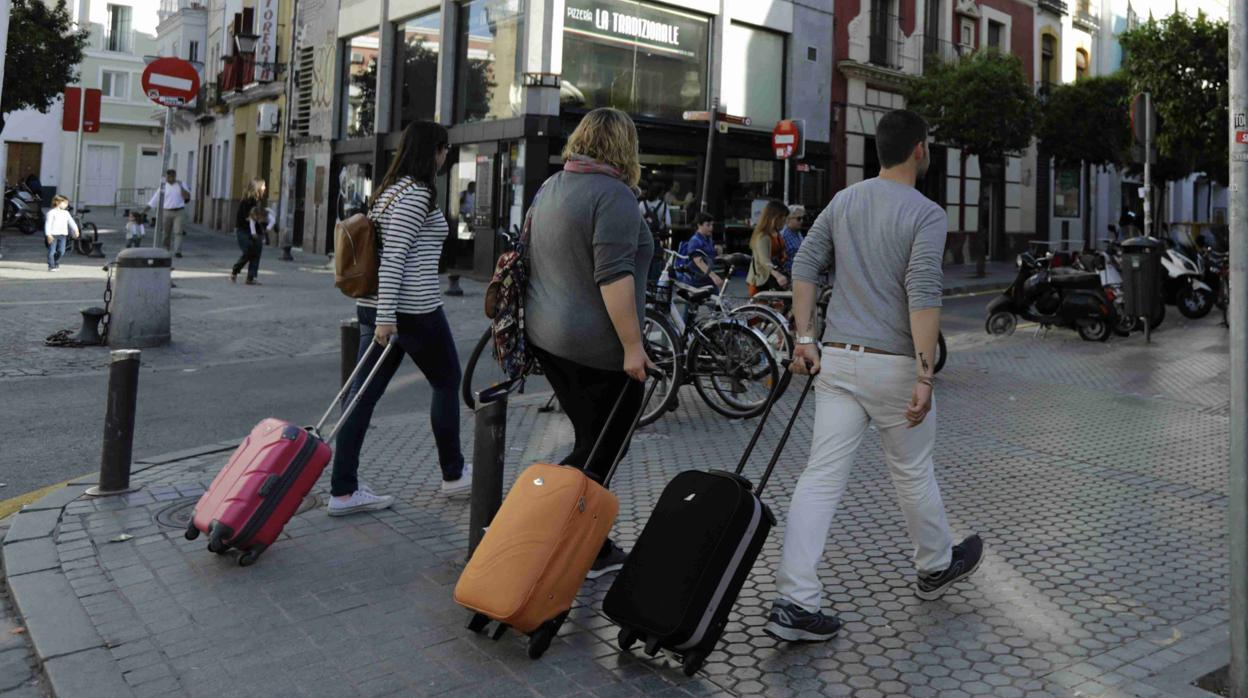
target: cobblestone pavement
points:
(1095, 473)
(19, 673)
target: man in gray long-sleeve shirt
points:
(874, 366)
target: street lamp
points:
(246, 43)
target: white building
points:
(183, 33)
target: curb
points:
(73, 656)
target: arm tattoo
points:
(923, 362)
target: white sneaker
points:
(361, 500)
(462, 486)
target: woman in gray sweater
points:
(588, 252)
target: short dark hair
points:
(897, 134)
(703, 217)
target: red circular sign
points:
(785, 138)
(170, 82)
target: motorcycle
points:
(1059, 297)
(1184, 284)
(1217, 273)
(1105, 265)
(22, 209)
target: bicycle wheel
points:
(482, 371)
(775, 330)
(87, 234)
(732, 368)
(663, 346)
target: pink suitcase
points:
(269, 474)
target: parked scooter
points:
(22, 209)
(1053, 297)
(1184, 283)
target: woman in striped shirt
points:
(407, 307)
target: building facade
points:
(183, 33)
(512, 78)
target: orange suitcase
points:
(535, 554)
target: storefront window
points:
(359, 102)
(491, 41)
(747, 186)
(355, 186)
(416, 72)
(754, 74)
(464, 191)
(643, 59)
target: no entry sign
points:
(786, 139)
(170, 82)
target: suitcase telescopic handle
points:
(762, 420)
(346, 386)
(653, 373)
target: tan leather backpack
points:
(357, 251)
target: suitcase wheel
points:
(249, 557)
(693, 661)
(627, 638)
(216, 539)
(191, 532)
(540, 639)
(652, 646)
(478, 622)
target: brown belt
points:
(858, 347)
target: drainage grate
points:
(177, 514)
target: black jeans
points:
(587, 395)
(427, 339)
(251, 247)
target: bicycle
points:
(731, 363)
(81, 244)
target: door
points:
(24, 159)
(101, 168)
(147, 174)
(301, 192)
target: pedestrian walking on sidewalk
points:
(56, 228)
(250, 240)
(589, 250)
(791, 235)
(135, 229)
(875, 366)
(175, 198)
(408, 310)
(767, 251)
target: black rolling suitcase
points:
(685, 571)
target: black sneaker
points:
(966, 558)
(792, 623)
(611, 561)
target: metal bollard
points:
(453, 288)
(350, 335)
(489, 443)
(123, 392)
(90, 332)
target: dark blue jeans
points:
(56, 250)
(251, 247)
(427, 339)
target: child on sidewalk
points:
(56, 228)
(135, 230)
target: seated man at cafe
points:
(700, 248)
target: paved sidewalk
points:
(1095, 472)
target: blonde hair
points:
(58, 200)
(610, 137)
(770, 220)
(253, 189)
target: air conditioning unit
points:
(268, 119)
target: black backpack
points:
(656, 221)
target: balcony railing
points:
(1085, 15)
(1057, 7)
(239, 71)
(941, 51)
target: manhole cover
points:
(177, 514)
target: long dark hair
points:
(417, 156)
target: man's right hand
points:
(805, 359)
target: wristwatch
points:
(804, 339)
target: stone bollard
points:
(139, 311)
(123, 392)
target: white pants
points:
(853, 389)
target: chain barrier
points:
(67, 338)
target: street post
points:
(1148, 164)
(710, 149)
(169, 82)
(82, 113)
(163, 239)
(1237, 315)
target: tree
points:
(43, 54)
(983, 105)
(1182, 61)
(1086, 123)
